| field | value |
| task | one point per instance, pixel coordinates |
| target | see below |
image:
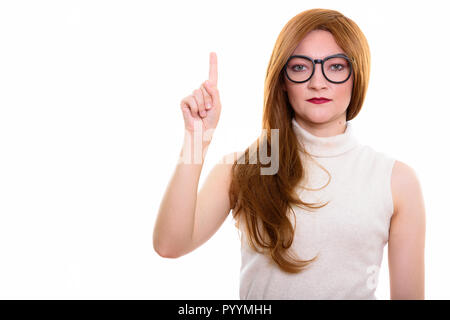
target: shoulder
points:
(405, 185)
(372, 157)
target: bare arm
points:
(175, 221)
(184, 220)
(407, 236)
(187, 220)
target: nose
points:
(317, 80)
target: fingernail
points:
(207, 83)
(208, 106)
(203, 113)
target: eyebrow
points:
(332, 54)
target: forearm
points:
(175, 221)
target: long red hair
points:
(262, 202)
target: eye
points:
(337, 67)
(298, 67)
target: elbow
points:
(167, 248)
(164, 252)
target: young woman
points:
(316, 228)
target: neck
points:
(325, 129)
(326, 146)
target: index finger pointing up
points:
(213, 68)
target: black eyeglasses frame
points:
(321, 61)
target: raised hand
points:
(203, 106)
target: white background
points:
(91, 128)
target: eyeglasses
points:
(336, 68)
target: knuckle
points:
(193, 104)
(199, 94)
(184, 102)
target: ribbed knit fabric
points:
(349, 233)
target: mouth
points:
(319, 100)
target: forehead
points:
(318, 44)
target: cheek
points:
(344, 92)
(297, 93)
(295, 97)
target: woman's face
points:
(319, 44)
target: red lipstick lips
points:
(318, 100)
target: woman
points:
(315, 228)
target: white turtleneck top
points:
(350, 232)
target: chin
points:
(318, 115)
(320, 121)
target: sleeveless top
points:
(350, 232)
